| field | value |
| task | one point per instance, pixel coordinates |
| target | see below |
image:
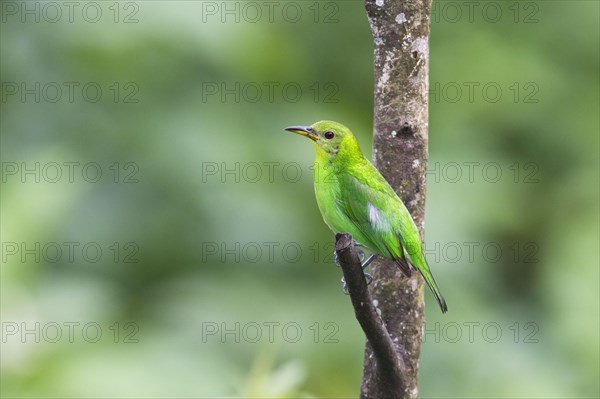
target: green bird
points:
(354, 198)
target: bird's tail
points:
(433, 286)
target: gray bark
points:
(400, 31)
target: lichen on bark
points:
(400, 31)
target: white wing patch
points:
(377, 219)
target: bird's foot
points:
(360, 252)
(364, 265)
(367, 262)
(345, 287)
(361, 255)
(368, 277)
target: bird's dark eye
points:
(329, 135)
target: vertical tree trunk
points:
(401, 35)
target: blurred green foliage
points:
(217, 247)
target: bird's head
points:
(331, 139)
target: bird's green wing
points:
(354, 197)
(380, 216)
(369, 204)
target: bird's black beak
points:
(304, 131)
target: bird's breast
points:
(327, 193)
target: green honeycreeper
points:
(355, 198)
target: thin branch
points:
(391, 366)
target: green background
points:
(215, 264)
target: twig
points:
(390, 364)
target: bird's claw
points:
(345, 287)
(361, 255)
(359, 252)
(368, 277)
(364, 265)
